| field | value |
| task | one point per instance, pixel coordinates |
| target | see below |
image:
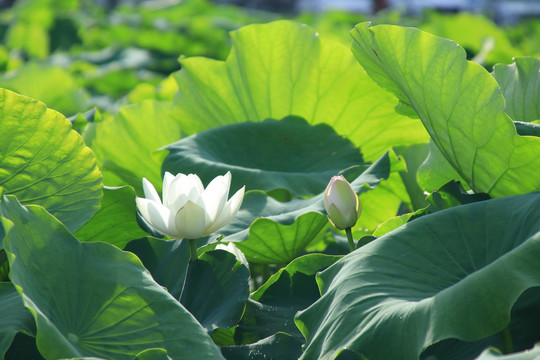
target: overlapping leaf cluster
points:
(444, 156)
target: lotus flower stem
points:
(193, 249)
(352, 247)
(506, 339)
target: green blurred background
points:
(76, 55)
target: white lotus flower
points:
(235, 251)
(188, 210)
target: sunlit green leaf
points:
(459, 103)
(436, 171)
(283, 68)
(520, 84)
(124, 145)
(45, 162)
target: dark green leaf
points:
(14, 317)
(216, 289)
(272, 307)
(105, 305)
(527, 129)
(453, 274)
(287, 154)
(167, 261)
(23, 347)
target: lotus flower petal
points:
(168, 179)
(157, 215)
(190, 221)
(216, 194)
(229, 211)
(149, 191)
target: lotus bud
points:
(341, 203)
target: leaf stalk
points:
(350, 239)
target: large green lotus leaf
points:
(459, 103)
(292, 224)
(453, 274)
(115, 223)
(51, 84)
(524, 331)
(14, 317)
(520, 84)
(286, 154)
(272, 307)
(92, 299)
(167, 261)
(45, 162)
(124, 145)
(279, 346)
(283, 68)
(216, 289)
